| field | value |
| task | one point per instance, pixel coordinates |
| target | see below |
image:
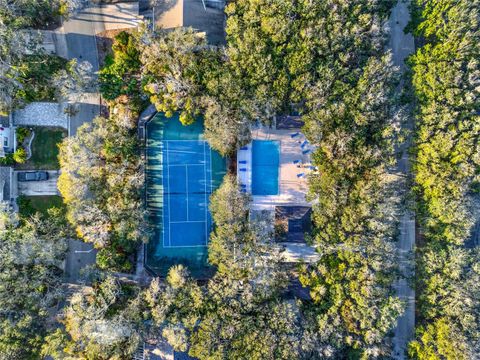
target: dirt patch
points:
(105, 42)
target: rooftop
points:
(170, 14)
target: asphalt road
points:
(79, 256)
(79, 32)
(402, 45)
(80, 40)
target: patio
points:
(294, 165)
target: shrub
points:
(20, 155)
(25, 206)
(22, 134)
(7, 160)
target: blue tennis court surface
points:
(181, 173)
(187, 186)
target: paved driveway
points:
(79, 256)
(37, 188)
(79, 43)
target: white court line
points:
(186, 165)
(187, 222)
(186, 186)
(197, 141)
(169, 214)
(183, 246)
(205, 197)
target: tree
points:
(102, 322)
(446, 172)
(75, 81)
(174, 68)
(227, 318)
(440, 340)
(120, 75)
(32, 13)
(31, 257)
(101, 184)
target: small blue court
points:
(187, 185)
(182, 171)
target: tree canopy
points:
(444, 77)
(101, 183)
(31, 258)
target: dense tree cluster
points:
(182, 73)
(35, 14)
(446, 81)
(237, 314)
(31, 255)
(101, 183)
(104, 321)
(120, 75)
(26, 73)
(325, 59)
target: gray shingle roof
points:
(5, 182)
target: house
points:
(205, 16)
(6, 177)
(7, 137)
(291, 225)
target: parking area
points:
(37, 188)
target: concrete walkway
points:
(402, 45)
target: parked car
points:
(32, 176)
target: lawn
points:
(29, 205)
(45, 148)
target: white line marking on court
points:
(186, 186)
(169, 206)
(205, 197)
(187, 222)
(183, 246)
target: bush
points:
(25, 207)
(22, 134)
(20, 155)
(7, 160)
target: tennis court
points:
(181, 173)
(187, 188)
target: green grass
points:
(29, 205)
(45, 148)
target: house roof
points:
(5, 175)
(298, 219)
(289, 122)
(41, 114)
(172, 14)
